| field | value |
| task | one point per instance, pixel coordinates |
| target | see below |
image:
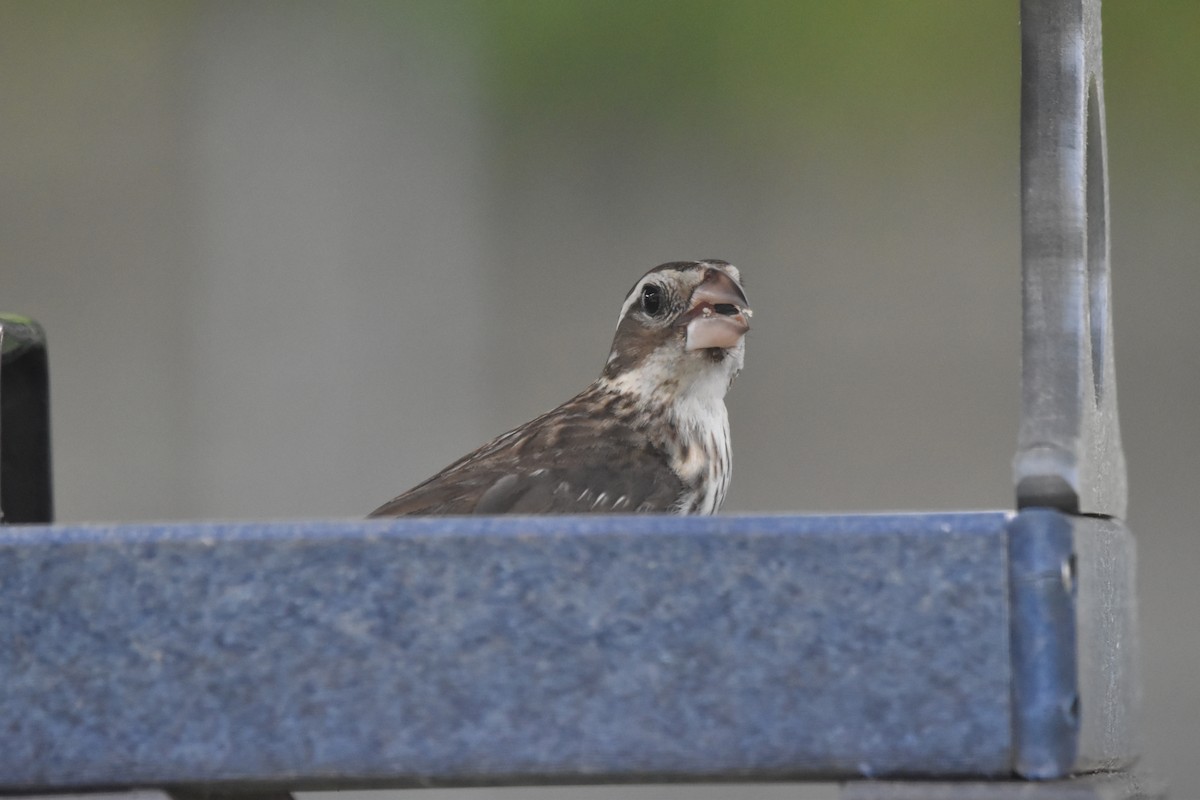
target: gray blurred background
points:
(294, 257)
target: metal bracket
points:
(1069, 453)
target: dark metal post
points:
(1069, 455)
(25, 481)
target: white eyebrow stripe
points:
(634, 296)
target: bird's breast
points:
(701, 455)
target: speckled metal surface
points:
(505, 650)
(1110, 680)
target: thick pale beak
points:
(719, 315)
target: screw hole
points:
(1069, 567)
(1071, 710)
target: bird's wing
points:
(561, 463)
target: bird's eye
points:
(652, 299)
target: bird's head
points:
(681, 331)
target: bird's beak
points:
(719, 314)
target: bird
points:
(651, 434)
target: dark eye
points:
(652, 299)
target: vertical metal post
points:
(1069, 454)
(25, 481)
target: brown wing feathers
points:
(587, 455)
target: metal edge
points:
(1109, 652)
(1045, 690)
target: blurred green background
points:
(293, 257)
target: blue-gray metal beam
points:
(1105, 786)
(560, 649)
(1069, 452)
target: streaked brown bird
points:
(650, 435)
